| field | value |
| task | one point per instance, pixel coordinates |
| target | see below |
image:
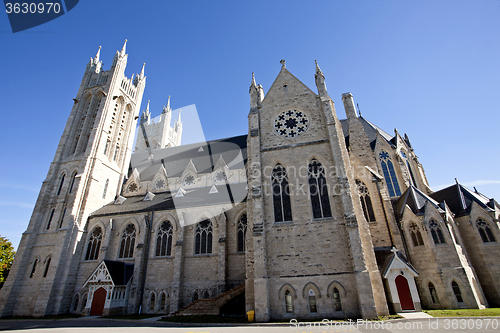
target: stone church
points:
(307, 216)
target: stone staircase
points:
(210, 306)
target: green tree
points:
(6, 258)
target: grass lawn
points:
(490, 312)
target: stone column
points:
(221, 255)
(176, 293)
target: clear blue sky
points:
(429, 68)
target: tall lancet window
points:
(128, 242)
(389, 174)
(61, 183)
(318, 190)
(366, 202)
(281, 194)
(94, 244)
(436, 232)
(416, 236)
(485, 231)
(164, 239)
(203, 238)
(242, 231)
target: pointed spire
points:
(320, 81)
(167, 108)
(122, 53)
(179, 118)
(253, 81)
(318, 70)
(147, 107)
(98, 54)
(142, 70)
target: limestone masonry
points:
(307, 216)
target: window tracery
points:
(366, 202)
(242, 231)
(94, 244)
(318, 190)
(416, 236)
(389, 174)
(436, 232)
(164, 239)
(203, 237)
(484, 231)
(127, 242)
(281, 195)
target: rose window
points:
(291, 123)
(132, 187)
(189, 180)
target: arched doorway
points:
(404, 293)
(98, 302)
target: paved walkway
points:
(415, 315)
(153, 318)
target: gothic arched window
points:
(416, 236)
(33, 268)
(105, 188)
(164, 239)
(318, 190)
(389, 174)
(62, 218)
(485, 231)
(206, 295)
(366, 202)
(94, 244)
(434, 296)
(457, 292)
(50, 218)
(72, 182)
(47, 265)
(152, 302)
(61, 184)
(312, 301)
(117, 150)
(75, 302)
(163, 301)
(242, 231)
(436, 232)
(195, 296)
(337, 304)
(128, 241)
(288, 302)
(281, 195)
(203, 238)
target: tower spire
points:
(122, 53)
(253, 81)
(98, 54)
(320, 81)
(179, 118)
(142, 70)
(167, 108)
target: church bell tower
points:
(89, 165)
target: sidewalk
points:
(415, 315)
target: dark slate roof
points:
(120, 272)
(370, 130)
(197, 197)
(459, 199)
(175, 159)
(415, 199)
(390, 259)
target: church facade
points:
(306, 216)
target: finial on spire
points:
(142, 70)
(124, 48)
(253, 81)
(98, 54)
(179, 118)
(283, 63)
(147, 107)
(318, 70)
(167, 107)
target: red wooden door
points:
(404, 293)
(98, 302)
